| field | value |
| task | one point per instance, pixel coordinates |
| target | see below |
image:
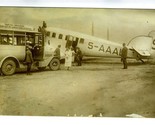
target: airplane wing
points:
(144, 53)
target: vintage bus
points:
(13, 42)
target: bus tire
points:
(54, 64)
(8, 67)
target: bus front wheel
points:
(8, 67)
(54, 64)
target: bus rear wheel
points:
(54, 64)
(8, 67)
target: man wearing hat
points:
(57, 52)
(28, 59)
(124, 56)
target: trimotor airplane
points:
(15, 39)
(140, 47)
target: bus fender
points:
(12, 58)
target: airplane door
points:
(69, 41)
(75, 42)
(72, 42)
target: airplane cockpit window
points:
(60, 36)
(53, 35)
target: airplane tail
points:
(152, 34)
(141, 45)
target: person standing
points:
(73, 56)
(57, 52)
(68, 58)
(78, 56)
(28, 60)
(124, 56)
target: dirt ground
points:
(93, 89)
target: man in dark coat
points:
(124, 56)
(57, 51)
(28, 59)
(78, 56)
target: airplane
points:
(139, 48)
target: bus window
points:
(30, 39)
(10, 40)
(20, 40)
(40, 40)
(15, 41)
(4, 40)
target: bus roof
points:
(17, 27)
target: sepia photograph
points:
(77, 62)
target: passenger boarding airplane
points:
(140, 47)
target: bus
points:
(13, 41)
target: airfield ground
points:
(96, 88)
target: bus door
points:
(38, 48)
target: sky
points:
(121, 24)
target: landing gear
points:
(142, 61)
(138, 58)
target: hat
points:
(124, 44)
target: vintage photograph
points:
(77, 62)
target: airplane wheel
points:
(8, 67)
(54, 64)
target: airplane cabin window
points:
(54, 35)
(66, 38)
(60, 36)
(77, 39)
(81, 40)
(48, 33)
